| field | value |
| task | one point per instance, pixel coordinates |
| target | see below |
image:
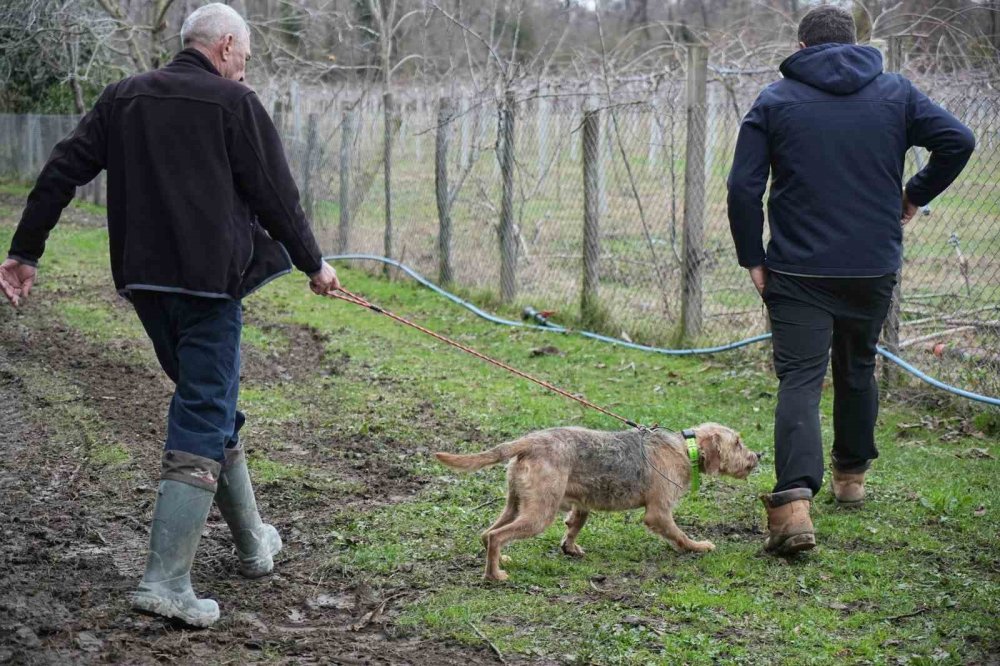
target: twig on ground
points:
(486, 504)
(483, 636)
(376, 613)
(934, 336)
(922, 609)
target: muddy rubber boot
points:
(849, 489)
(789, 528)
(178, 519)
(256, 542)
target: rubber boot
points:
(790, 529)
(256, 542)
(848, 489)
(178, 519)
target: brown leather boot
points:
(789, 528)
(849, 489)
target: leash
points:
(358, 300)
(348, 297)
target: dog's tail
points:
(472, 462)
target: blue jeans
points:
(197, 342)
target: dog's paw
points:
(499, 575)
(574, 550)
(701, 547)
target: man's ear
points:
(228, 42)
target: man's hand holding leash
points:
(325, 281)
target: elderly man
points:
(832, 134)
(202, 210)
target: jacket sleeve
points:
(73, 162)
(265, 182)
(747, 182)
(951, 144)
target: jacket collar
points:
(194, 58)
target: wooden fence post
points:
(98, 192)
(591, 214)
(387, 108)
(307, 167)
(445, 117)
(508, 237)
(890, 329)
(346, 138)
(694, 192)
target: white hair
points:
(210, 23)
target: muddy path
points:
(73, 532)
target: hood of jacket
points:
(840, 69)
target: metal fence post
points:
(346, 138)
(446, 112)
(694, 192)
(890, 328)
(591, 214)
(508, 239)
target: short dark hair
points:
(827, 24)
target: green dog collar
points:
(693, 454)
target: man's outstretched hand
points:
(325, 282)
(16, 280)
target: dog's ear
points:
(710, 448)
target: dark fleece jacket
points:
(200, 197)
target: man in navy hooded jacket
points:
(832, 134)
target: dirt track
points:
(73, 535)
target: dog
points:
(579, 471)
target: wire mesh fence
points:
(605, 204)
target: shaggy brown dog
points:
(579, 470)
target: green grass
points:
(269, 471)
(265, 340)
(109, 454)
(912, 578)
(99, 321)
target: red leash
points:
(347, 296)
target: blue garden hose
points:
(555, 328)
(888, 355)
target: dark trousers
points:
(808, 317)
(197, 342)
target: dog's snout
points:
(759, 454)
